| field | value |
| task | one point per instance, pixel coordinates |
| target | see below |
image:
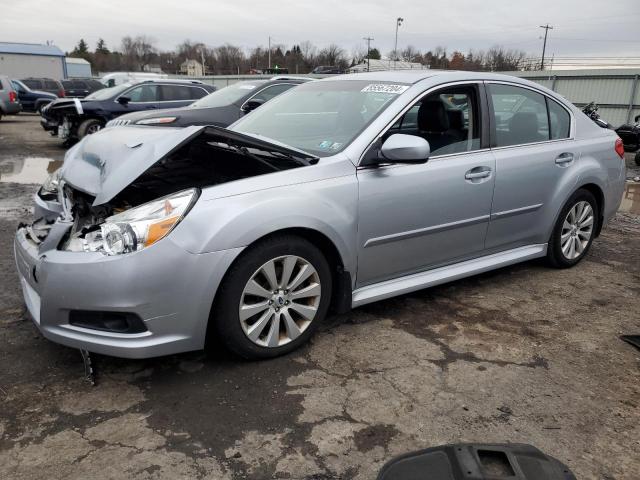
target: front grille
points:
(118, 123)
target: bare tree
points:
(410, 54)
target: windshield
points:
(227, 95)
(321, 118)
(107, 93)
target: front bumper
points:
(170, 289)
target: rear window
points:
(175, 93)
(197, 92)
(67, 84)
(50, 85)
(33, 84)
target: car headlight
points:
(156, 120)
(141, 226)
(50, 185)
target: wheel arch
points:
(341, 278)
(598, 193)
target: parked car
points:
(630, 135)
(48, 85)
(75, 118)
(32, 100)
(222, 107)
(9, 102)
(323, 198)
(80, 87)
(327, 69)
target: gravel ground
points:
(524, 354)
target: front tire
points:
(273, 298)
(89, 127)
(574, 230)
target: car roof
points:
(171, 80)
(415, 76)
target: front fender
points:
(326, 206)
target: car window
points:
(32, 84)
(79, 84)
(143, 93)
(197, 92)
(50, 85)
(16, 86)
(447, 119)
(228, 95)
(321, 118)
(272, 91)
(520, 115)
(172, 93)
(559, 120)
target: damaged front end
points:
(98, 276)
(62, 117)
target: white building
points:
(191, 68)
(385, 64)
(22, 60)
(78, 67)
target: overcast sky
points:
(581, 27)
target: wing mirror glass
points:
(252, 104)
(400, 148)
(123, 100)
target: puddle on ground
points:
(27, 169)
(631, 198)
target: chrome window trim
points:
(572, 132)
(407, 108)
(263, 89)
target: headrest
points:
(432, 117)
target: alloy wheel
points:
(577, 230)
(93, 129)
(280, 301)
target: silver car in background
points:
(9, 101)
(338, 193)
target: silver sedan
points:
(335, 194)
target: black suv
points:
(32, 100)
(80, 87)
(48, 85)
(220, 108)
(74, 118)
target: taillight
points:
(12, 96)
(619, 148)
(61, 93)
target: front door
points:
(416, 217)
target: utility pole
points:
(269, 52)
(368, 39)
(204, 69)
(546, 27)
(399, 21)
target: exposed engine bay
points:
(149, 207)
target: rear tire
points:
(88, 127)
(264, 280)
(574, 230)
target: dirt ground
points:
(524, 354)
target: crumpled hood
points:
(105, 163)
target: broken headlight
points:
(50, 185)
(141, 226)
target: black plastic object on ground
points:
(468, 461)
(632, 340)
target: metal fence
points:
(616, 92)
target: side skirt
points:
(437, 276)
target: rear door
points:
(141, 97)
(417, 217)
(535, 157)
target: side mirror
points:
(252, 104)
(400, 148)
(123, 100)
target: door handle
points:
(475, 175)
(564, 158)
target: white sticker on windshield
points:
(385, 88)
